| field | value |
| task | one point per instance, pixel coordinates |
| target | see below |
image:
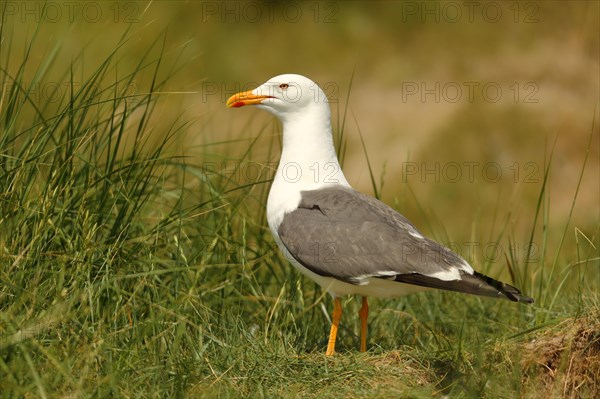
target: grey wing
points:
(341, 233)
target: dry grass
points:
(564, 361)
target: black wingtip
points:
(526, 299)
(523, 298)
(510, 292)
(517, 297)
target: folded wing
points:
(341, 233)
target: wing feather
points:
(341, 233)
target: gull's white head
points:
(284, 96)
(308, 149)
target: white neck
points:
(308, 160)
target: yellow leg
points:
(364, 315)
(336, 316)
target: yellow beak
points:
(245, 98)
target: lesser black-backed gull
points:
(346, 241)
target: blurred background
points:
(462, 107)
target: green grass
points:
(129, 270)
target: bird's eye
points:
(284, 86)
